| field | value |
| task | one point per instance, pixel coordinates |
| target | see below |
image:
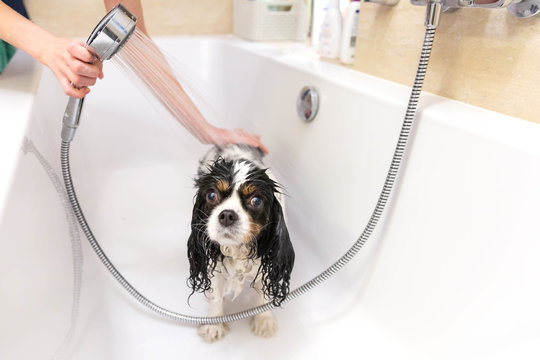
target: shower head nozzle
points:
(111, 33)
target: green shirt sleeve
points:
(6, 53)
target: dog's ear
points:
(202, 253)
(277, 256)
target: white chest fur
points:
(235, 269)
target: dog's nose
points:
(227, 217)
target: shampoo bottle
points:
(331, 31)
(348, 38)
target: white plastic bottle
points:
(317, 19)
(303, 19)
(348, 37)
(331, 31)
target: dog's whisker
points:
(200, 224)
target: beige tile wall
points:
(480, 56)
(77, 18)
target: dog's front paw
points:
(264, 325)
(211, 333)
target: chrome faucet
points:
(518, 8)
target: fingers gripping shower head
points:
(112, 32)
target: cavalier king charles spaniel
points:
(238, 234)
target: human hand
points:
(74, 66)
(219, 136)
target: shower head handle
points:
(112, 32)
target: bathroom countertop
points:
(18, 86)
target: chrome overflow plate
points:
(307, 103)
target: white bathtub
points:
(451, 272)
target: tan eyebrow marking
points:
(223, 185)
(248, 189)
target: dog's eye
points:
(256, 202)
(212, 196)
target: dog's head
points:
(236, 207)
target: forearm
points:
(134, 6)
(153, 69)
(22, 33)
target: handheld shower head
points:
(110, 34)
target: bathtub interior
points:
(441, 276)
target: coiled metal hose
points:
(372, 223)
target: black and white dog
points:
(238, 233)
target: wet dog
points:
(238, 234)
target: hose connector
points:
(71, 118)
(433, 13)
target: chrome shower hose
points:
(374, 219)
